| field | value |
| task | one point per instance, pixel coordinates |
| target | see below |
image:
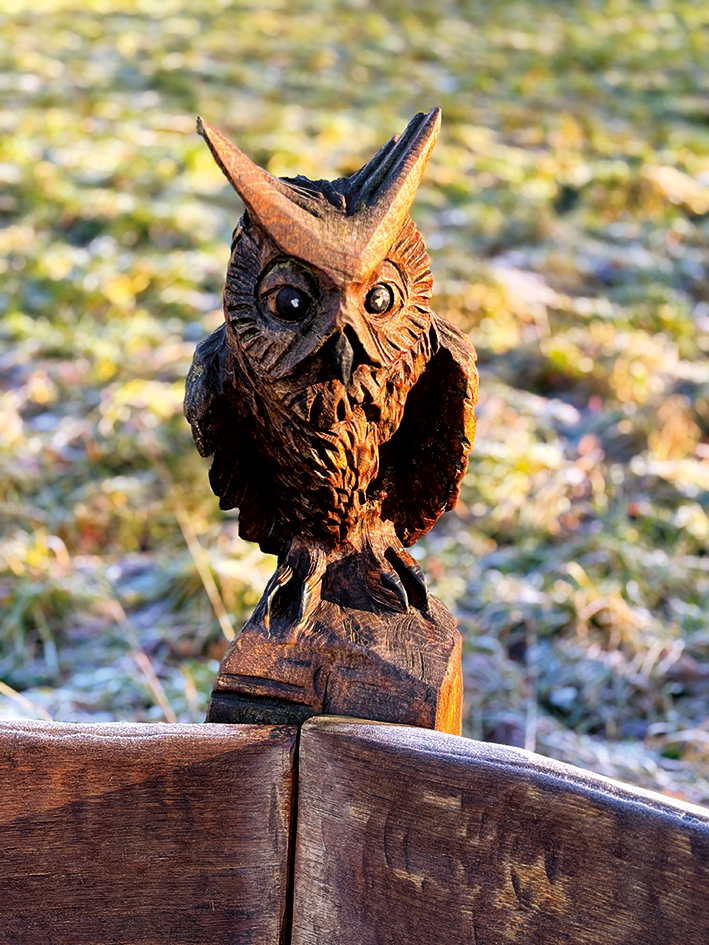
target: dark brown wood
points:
(138, 834)
(347, 658)
(340, 412)
(407, 836)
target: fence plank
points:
(408, 836)
(141, 834)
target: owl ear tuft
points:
(384, 189)
(347, 241)
(268, 199)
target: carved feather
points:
(423, 464)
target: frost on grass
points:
(566, 210)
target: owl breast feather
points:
(317, 464)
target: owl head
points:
(328, 331)
(328, 261)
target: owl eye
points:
(292, 305)
(379, 299)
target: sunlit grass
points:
(567, 212)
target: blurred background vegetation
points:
(566, 208)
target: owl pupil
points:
(291, 304)
(379, 300)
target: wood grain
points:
(137, 834)
(408, 836)
(391, 667)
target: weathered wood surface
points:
(352, 657)
(406, 836)
(340, 412)
(137, 834)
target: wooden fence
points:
(345, 832)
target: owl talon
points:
(411, 577)
(264, 609)
(392, 582)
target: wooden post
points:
(413, 836)
(184, 834)
(409, 670)
(144, 834)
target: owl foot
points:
(294, 590)
(406, 579)
(372, 568)
(394, 578)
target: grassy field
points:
(566, 208)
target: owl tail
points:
(348, 240)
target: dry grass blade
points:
(530, 725)
(197, 552)
(24, 701)
(199, 556)
(139, 656)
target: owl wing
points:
(214, 408)
(423, 464)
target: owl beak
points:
(341, 345)
(341, 355)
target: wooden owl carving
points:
(338, 407)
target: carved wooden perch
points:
(340, 412)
